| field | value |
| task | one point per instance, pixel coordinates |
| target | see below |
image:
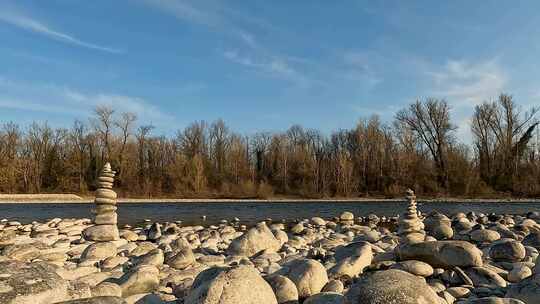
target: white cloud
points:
(38, 27)
(465, 84)
(273, 66)
(50, 98)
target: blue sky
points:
(262, 65)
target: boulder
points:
(442, 254)
(308, 275)
(417, 268)
(181, 256)
(391, 286)
(255, 240)
(353, 265)
(140, 279)
(284, 289)
(485, 235)
(101, 233)
(507, 250)
(99, 251)
(325, 298)
(230, 285)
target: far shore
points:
(72, 198)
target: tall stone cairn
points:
(105, 219)
(411, 228)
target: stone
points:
(181, 256)
(333, 286)
(101, 233)
(483, 276)
(106, 218)
(391, 286)
(507, 250)
(352, 265)
(532, 239)
(527, 290)
(346, 217)
(140, 279)
(106, 289)
(99, 251)
(325, 298)
(518, 273)
(230, 285)
(494, 300)
(442, 254)
(284, 289)
(96, 300)
(255, 240)
(417, 268)
(485, 235)
(36, 283)
(308, 275)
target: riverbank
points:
(72, 198)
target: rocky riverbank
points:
(351, 259)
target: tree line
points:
(419, 149)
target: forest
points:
(418, 149)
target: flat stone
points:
(101, 233)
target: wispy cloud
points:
(32, 25)
(466, 84)
(273, 66)
(51, 98)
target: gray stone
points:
(255, 240)
(308, 275)
(141, 279)
(391, 286)
(442, 254)
(236, 285)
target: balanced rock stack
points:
(411, 228)
(104, 228)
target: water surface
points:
(247, 212)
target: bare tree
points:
(430, 121)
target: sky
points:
(262, 65)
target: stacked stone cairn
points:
(105, 219)
(411, 228)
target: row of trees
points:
(417, 150)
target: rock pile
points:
(105, 219)
(411, 228)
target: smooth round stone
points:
(105, 208)
(106, 193)
(507, 250)
(106, 179)
(519, 273)
(104, 201)
(347, 216)
(101, 233)
(391, 286)
(459, 292)
(99, 251)
(415, 267)
(108, 218)
(485, 235)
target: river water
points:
(247, 212)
